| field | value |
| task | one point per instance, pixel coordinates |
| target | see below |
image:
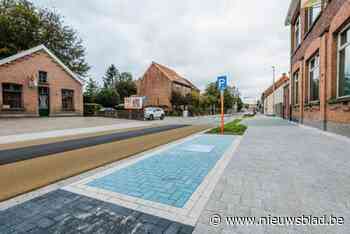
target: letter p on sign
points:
(222, 83)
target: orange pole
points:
(222, 113)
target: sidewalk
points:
(281, 169)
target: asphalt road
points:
(30, 152)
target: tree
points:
(239, 103)
(213, 95)
(24, 26)
(195, 99)
(111, 77)
(125, 86)
(204, 102)
(108, 97)
(176, 99)
(228, 100)
(187, 99)
(91, 91)
(125, 76)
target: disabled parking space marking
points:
(193, 202)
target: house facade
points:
(320, 64)
(276, 98)
(36, 83)
(158, 84)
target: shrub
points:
(233, 128)
(91, 109)
(108, 97)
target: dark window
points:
(42, 77)
(296, 88)
(12, 96)
(297, 33)
(67, 100)
(313, 13)
(344, 64)
(314, 78)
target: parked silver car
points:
(152, 113)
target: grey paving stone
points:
(44, 223)
(4, 229)
(219, 206)
(25, 227)
(174, 228)
(284, 170)
(186, 230)
(206, 229)
(144, 218)
(80, 214)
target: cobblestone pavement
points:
(281, 169)
(169, 177)
(65, 212)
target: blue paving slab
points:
(169, 177)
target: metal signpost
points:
(222, 85)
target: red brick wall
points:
(19, 72)
(156, 87)
(322, 38)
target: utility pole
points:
(274, 89)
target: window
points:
(344, 64)
(297, 33)
(296, 88)
(314, 78)
(313, 13)
(325, 3)
(42, 77)
(12, 96)
(67, 100)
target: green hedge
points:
(91, 109)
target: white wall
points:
(268, 103)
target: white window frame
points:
(340, 48)
(296, 100)
(316, 57)
(309, 23)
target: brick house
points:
(158, 84)
(276, 98)
(36, 83)
(320, 64)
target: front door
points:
(44, 101)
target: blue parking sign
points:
(222, 83)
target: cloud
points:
(200, 39)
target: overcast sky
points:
(200, 39)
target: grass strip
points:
(233, 128)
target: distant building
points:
(320, 64)
(276, 98)
(234, 91)
(158, 84)
(36, 83)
